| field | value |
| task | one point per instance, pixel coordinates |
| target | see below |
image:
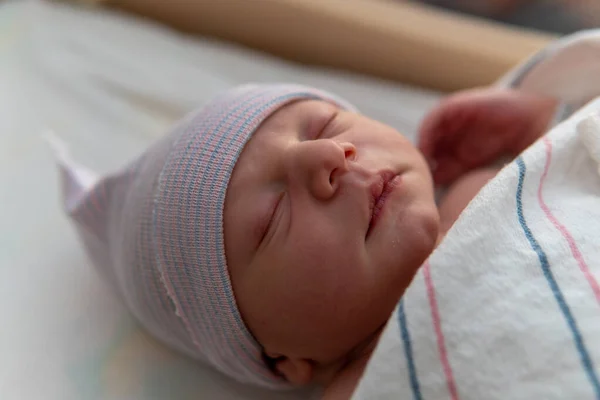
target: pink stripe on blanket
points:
(437, 324)
(563, 229)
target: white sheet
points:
(108, 85)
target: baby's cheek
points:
(335, 273)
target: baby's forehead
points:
(290, 113)
(304, 107)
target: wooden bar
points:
(397, 40)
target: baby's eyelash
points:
(326, 125)
(271, 217)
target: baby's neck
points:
(460, 194)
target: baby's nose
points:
(318, 165)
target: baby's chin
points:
(408, 245)
(406, 254)
(426, 234)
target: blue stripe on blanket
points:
(564, 307)
(412, 371)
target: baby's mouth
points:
(380, 190)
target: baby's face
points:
(328, 216)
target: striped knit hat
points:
(155, 229)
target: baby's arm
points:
(461, 193)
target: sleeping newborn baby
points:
(272, 232)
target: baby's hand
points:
(474, 128)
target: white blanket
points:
(508, 306)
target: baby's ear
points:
(297, 371)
